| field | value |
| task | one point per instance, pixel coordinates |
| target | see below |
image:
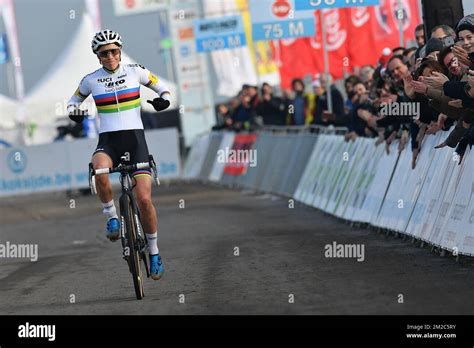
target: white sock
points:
(109, 210)
(152, 239)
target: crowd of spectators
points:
(409, 94)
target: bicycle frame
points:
(127, 200)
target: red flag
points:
(384, 23)
(361, 42)
(294, 59)
(336, 40)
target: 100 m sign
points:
(220, 43)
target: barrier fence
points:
(356, 181)
(64, 165)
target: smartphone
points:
(447, 41)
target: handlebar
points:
(124, 169)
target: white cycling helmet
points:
(105, 37)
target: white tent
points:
(48, 100)
(8, 109)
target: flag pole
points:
(326, 62)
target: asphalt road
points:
(280, 268)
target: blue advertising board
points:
(219, 33)
(3, 49)
(303, 5)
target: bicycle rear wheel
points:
(134, 257)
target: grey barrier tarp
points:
(298, 164)
(281, 160)
(293, 160)
(215, 141)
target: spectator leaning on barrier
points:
(322, 116)
(446, 91)
(387, 90)
(436, 98)
(349, 84)
(224, 117)
(243, 115)
(397, 71)
(456, 69)
(429, 120)
(357, 125)
(461, 90)
(271, 108)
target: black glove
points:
(159, 103)
(78, 115)
(462, 147)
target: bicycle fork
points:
(140, 243)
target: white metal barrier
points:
(64, 165)
(360, 182)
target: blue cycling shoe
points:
(156, 267)
(113, 229)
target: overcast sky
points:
(44, 26)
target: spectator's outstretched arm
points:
(457, 90)
(456, 134)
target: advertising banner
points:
(65, 165)
(3, 49)
(131, 7)
(304, 5)
(459, 227)
(356, 176)
(380, 183)
(241, 155)
(196, 99)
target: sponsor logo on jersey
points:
(104, 79)
(135, 65)
(116, 83)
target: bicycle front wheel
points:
(133, 251)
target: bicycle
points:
(134, 243)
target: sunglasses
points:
(105, 53)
